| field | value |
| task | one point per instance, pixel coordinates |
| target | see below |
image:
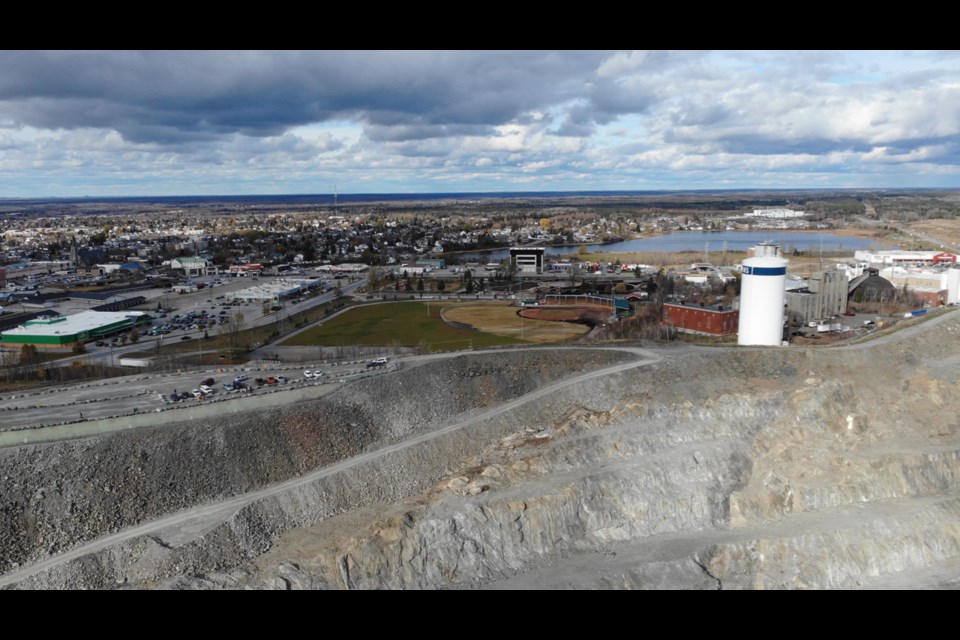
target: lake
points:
(695, 241)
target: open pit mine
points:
(652, 467)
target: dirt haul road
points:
(193, 522)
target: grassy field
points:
(501, 318)
(396, 324)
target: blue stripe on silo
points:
(765, 271)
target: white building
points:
(776, 213)
(880, 258)
(192, 267)
(915, 277)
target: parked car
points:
(241, 378)
(271, 380)
(209, 382)
(308, 374)
(207, 390)
(849, 313)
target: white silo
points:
(761, 301)
(953, 286)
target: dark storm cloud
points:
(171, 96)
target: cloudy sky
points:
(184, 123)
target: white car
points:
(205, 390)
(240, 378)
(308, 374)
(197, 393)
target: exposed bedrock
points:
(57, 495)
(711, 469)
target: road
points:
(192, 522)
(145, 394)
(946, 246)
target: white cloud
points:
(622, 62)
(475, 120)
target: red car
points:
(849, 313)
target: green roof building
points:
(65, 331)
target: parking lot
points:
(145, 393)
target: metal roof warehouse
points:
(65, 331)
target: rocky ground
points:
(713, 468)
(60, 494)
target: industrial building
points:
(275, 289)
(765, 249)
(778, 214)
(346, 267)
(762, 293)
(528, 259)
(433, 263)
(918, 276)
(33, 269)
(241, 270)
(712, 320)
(874, 288)
(408, 270)
(817, 297)
(931, 296)
(884, 258)
(65, 331)
(192, 267)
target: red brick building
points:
(706, 320)
(930, 296)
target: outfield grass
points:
(396, 324)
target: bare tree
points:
(232, 338)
